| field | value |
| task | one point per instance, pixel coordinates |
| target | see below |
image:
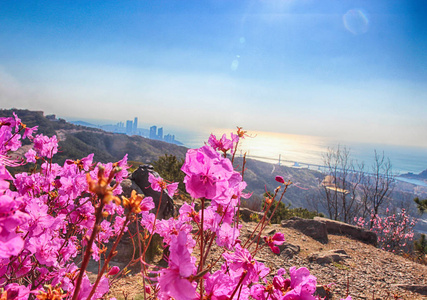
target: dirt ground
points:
(368, 273)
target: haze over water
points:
(267, 146)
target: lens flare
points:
(234, 65)
(356, 21)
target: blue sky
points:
(347, 70)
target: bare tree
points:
(377, 185)
(340, 185)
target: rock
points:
(129, 185)
(140, 177)
(323, 291)
(360, 234)
(417, 288)
(288, 250)
(328, 256)
(312, 228)
(245, 214)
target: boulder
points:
(245, 214)
(417, 288)
(312, 228)
(288, 250)
(327, 257)
(140, 177)
(323, 291)
(128, 186)
(357, 233)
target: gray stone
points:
(140, 177)
(128, 186)
(312, 228)
(417, 288)
(323, 291)
(288, 250)
(245, 214)
(360, 234)
(327, 257)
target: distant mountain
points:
(83, 123)
(260, 177)
(423, 174)
(420, 176)
(77, 141)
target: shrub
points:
(420, 247)
(394, 231)
(169, 168)
(285, 212)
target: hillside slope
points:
(260, 178)
(367, 273)
(77, 141)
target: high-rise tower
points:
(160, 133)
(129, 127)
(153, 132)
(135, 125)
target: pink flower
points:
(158, 184)
(28, 133)
(17, 292)
(10, 218)
(4, 175)
(303, 285)
(31, 156)
(86, 287)
(280, 179)
(219, 286)
(114, 270)
(227, 236)
(172, 188)
(277, 239)
(146, 204)
(207, 173)
(222, 145)
(147, 221)
(188, 214)
(241, 260)
(45, 146)
(174, 281)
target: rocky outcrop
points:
(288, 250)
(360, 234)
(249, 215)
(128, 186)
(312, 228)
(417, 288)
(140, 178)
(327, 257)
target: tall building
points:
(135, 125)
(129, 127)
(169, 138)
(153, 132)
(160, 133)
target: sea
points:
(308, 151)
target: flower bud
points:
(114, 270)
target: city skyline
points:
(130, 127)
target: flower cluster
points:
(394, 231)
(57, 218)
(51, 218)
